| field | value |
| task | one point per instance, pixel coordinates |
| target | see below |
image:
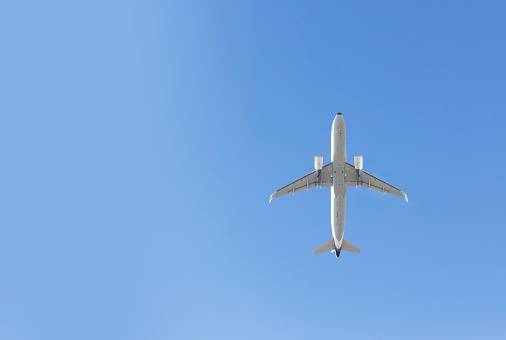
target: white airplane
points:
(338, 175)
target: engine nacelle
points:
(358, 162)
(318, 163)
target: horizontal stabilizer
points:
(349, 247)
(327, 246)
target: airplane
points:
(338, 175)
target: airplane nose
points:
(337, 118)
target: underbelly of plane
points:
(338, 218)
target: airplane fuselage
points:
(338, 190)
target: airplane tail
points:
(330, 245)
(349, 247)
(327, 246)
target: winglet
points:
(406, 197)
(270, 199)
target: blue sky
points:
(141, 140)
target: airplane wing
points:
(324, 179)
(369, 181)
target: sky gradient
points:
(141, 140)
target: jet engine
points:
(358, 162)
(318, 163)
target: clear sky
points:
(140, 142)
